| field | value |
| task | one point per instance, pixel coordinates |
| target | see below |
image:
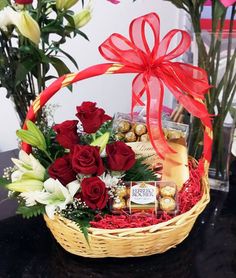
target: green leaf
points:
(232, 111)
(59, 66)
(66, 54)
(83, 226)
(82, 218)
(70, 19)
(53, 27)
(4, 182)
(105, 127)
(220, 9)
(3, 4)
(23, 69)
(140, 172)
(28, 212)
(82, 34)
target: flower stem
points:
(48, 155)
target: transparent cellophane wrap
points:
(175, 165)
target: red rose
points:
(67, 135)
(94, 192)
(23, 2)
(86, 160)
(61, 169)
(120, 157)
(91, 117)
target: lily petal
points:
(50, 210)
(73, 187)
(25, 186)
(28, 27)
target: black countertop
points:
(27, 248)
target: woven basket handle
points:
(62, 82)
(68, 79)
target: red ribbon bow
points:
(155, 68)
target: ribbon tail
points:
(138, 90)
(155, 94)
(198, 109)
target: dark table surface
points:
(27, 248)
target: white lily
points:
(55, 196)
(28, 167)
(26, 25)
(28, 185)
(8, 16)
(65, 4)
(82, 18)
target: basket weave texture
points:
(130, 242)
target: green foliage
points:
(87, 139)
(140, 172)
(53, 148)
(24, 66)
(81, 217)
(3, 4)
(28, 212)
(4, 182)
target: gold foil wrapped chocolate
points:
(124, 126)
(140, 129)
(144, 138)
(130, 130)
(130, 137)
(168, 191)
(167, 204)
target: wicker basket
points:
(132, 242)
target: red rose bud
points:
(67, 135)
(23, 2)
(120, 157)
(61, 169)
(91, 116)
(94, 192)
(86, 160)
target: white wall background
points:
(112, 92)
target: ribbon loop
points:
(137, 27)
(181, 47)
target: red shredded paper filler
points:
(189, 195)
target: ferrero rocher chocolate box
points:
(174, 166)
(146, 197)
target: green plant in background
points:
(31, 37)
(221, 95)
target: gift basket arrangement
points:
(119, 186)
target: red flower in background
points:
(114, 1)
(67, 135)
(23, 2)
(94, 192)
(61, 169)
(120, 157)
(86, 160)
(91, 116)
(227, 3)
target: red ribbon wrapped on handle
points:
(155, 70)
